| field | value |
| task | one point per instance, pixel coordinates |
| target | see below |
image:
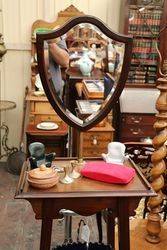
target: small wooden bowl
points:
(42, 177)
(45, 184)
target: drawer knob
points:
(94, 141)
(135, 132)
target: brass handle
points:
(94, 140)
(135, 132)
(138, 120)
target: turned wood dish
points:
(42, 177)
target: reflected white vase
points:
(85, 64)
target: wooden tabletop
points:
(62, 130)
(84, 187)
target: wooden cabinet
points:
(136, 127)
(40, 110)
(54, 141)
(95, 140)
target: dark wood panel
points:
(138, 119)
(136, 127)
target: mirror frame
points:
(51, 92)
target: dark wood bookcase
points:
(143, 19)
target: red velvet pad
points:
(108, 172)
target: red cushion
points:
(108, 172)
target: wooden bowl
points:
(42, 177)
(44, 184)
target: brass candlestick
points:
(75, 173)
(66, 179)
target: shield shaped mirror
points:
(83, 67)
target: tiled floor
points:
(20, 231)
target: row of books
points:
(141, 23)
(149, 57)
(142, 75)
(143, 30)
(151, 17)
(144, 46)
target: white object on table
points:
(116, 153)
(47, 126)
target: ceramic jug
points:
(85, 64)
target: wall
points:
(16, 19)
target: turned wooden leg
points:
(46, 234)
(111, 229)
(99, 226)
(123, 224)
(159, 166)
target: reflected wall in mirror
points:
(83, 68)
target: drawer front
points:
(96, 144)
(43, 108)
(46, 118)
(99, 136)
(138, 119)
(137, 131)
(94, 152)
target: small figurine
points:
(38, 156)
(116, 153)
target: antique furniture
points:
(95, 140)
(158, 158)
(54, 140)
(136, 127)
(144, 20)
(5, 106)
(40, 109)
(82, 197)
(64, 111)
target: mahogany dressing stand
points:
(86, 197)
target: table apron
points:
(50, 207)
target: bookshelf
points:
(143, 20)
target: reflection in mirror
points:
(84, 67)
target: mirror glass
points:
(83, 67)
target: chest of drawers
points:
(95, 140)
(40, 110)
(136, 127)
